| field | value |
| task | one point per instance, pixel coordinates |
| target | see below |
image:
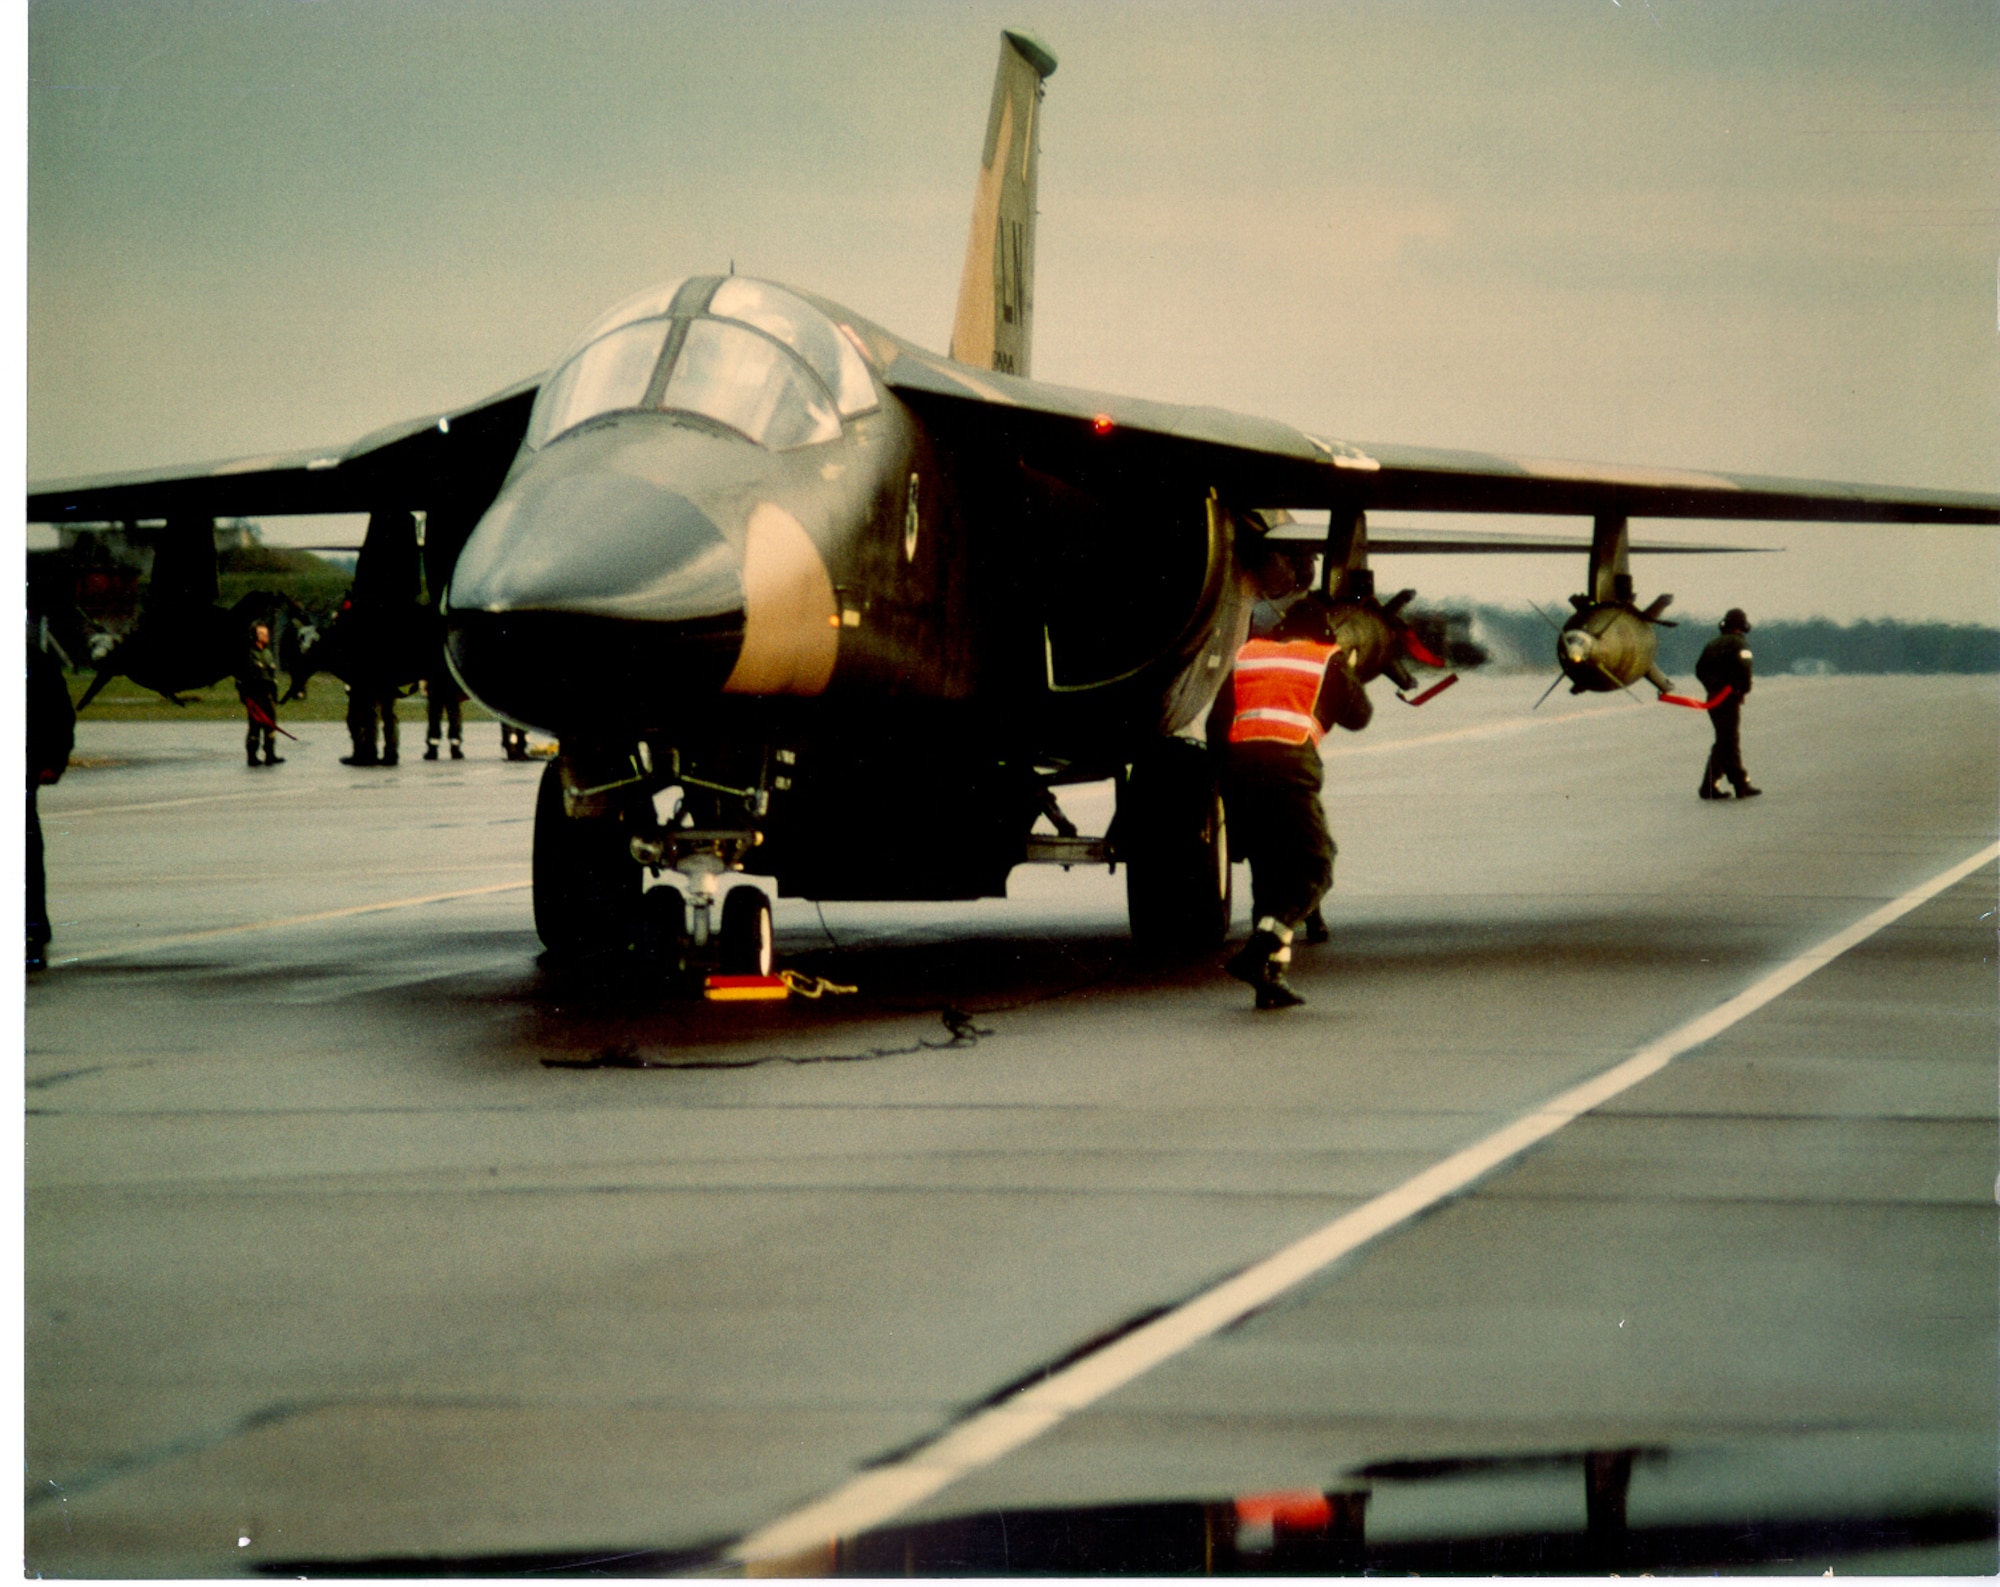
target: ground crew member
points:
(367, 700)
(1283, 694)
(51, 735)
(444, 698)
(1725, 664)
(513, 741)
(257, 688)
(1284, 578)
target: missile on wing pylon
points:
(1610, 643)
(1373, 631)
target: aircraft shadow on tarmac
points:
(891, 995)
(939, 994)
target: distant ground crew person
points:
(1725, 664)
(51, 727)
(367, 701)
(257, 688)
(444, 698)
(1286, 690)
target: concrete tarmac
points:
(355, 1238)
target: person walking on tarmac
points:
(1285, 691)
(1725, 664)
(257, 688)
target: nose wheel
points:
(748, 947)
(664, 913)
(743, 942)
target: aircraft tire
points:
(587, 888)
(748, 947)
(1175, 848)
(663, 918)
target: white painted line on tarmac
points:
(154, 944)
(290, 786)
(878, 1495)
(1457, 735)
(54, 815)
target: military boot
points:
(1273, 990)
(1261, 962)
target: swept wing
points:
(1257, 462)
(455, 459)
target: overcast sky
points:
(1753, 235)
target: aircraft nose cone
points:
(594, 599)
(606, 544)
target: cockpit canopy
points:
(743, 353)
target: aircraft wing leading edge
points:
(1263, 463)
(433, 461)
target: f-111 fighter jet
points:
(756, 562)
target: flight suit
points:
(1280, 699)
(1725, 664)
(257, 688)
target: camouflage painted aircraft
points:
(803, 600)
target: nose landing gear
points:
(605, 825)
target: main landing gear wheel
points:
(1175, 848)
(587, 885)
(748, 947)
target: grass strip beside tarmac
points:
(325, 701)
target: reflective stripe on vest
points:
(1277, 686)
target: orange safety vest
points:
(1277, 686)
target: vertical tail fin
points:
(996, 295)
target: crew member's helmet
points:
(1734, 622)
(1308, 617)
